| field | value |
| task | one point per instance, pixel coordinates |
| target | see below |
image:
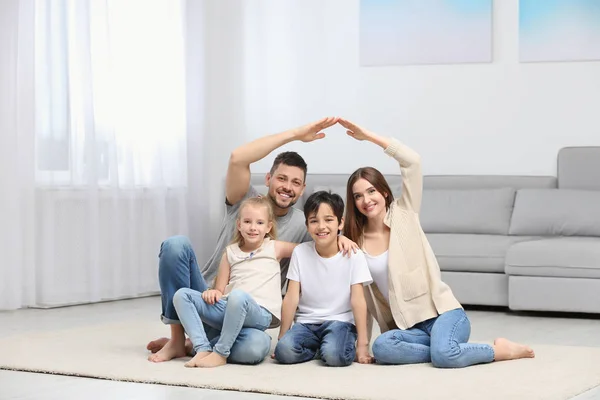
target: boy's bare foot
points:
(213, 360)
(155, 345)
(195, 361)
(504, 349)
(172, 349)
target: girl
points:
(417, 313)
(247, 290)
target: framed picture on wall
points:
(404, 32)
(559, 30)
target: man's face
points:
(286, 185)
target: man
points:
(178, 266)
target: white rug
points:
(118, 352)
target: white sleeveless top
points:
(257, 273)
(378, 267)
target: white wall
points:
(301, 63)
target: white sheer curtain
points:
(106, 180)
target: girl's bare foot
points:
(174, 348)
(155, 345)
(195, 361)
(213, 360)
(504, 349)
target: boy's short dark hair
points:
(315, 200)
(290, 158)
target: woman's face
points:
(368, 201)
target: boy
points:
(327, 290)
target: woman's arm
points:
(409, 160)
(284, 249)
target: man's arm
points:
(238, 171)
(289, 306)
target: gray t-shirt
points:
(290, 228)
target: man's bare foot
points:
(155, 345)
(504, 349)
(212, 360)
(195, 361)
(172, 349)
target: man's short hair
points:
(289, 158)
(315, 200)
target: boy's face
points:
(323, 226)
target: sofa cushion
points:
(487, 181)
(579, 168)
(571, 257)
(481, 211)
(471, 253)
(556, 212)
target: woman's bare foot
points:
(504, 349)
(195, 361)
(212, 360)
(155, 345)
(174, 348)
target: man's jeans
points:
(441, 340)
(178, 269)
(335, 341)
(227, 316)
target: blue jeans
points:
(335, 340)
(228, 316)
(178, 268)
(441, 340)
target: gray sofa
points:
(523, 242)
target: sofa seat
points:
(472, 252)
(567, 257)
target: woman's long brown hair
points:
(355, 220)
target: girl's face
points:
(367, 199)
(253, 224)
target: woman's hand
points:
(346, 246)
(355, 131)
(211, 296)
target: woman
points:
(419, 317)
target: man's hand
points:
(347, 246)
(354, 130)
(211, 296)
(312, 131)
(362, 354)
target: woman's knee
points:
(446, 357)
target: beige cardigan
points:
(416, 290)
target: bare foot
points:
(504, 349)
(212, 360)
(172, 349)
(195, 362)
(155, 345)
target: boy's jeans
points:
(335, 340)
(178, 269)
(227, 315)
(441, 340)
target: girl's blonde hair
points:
(256, 202)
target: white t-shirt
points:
(378, 267)
(325, 283)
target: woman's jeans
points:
(334, 340)
(441, 340)
(178, 269)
